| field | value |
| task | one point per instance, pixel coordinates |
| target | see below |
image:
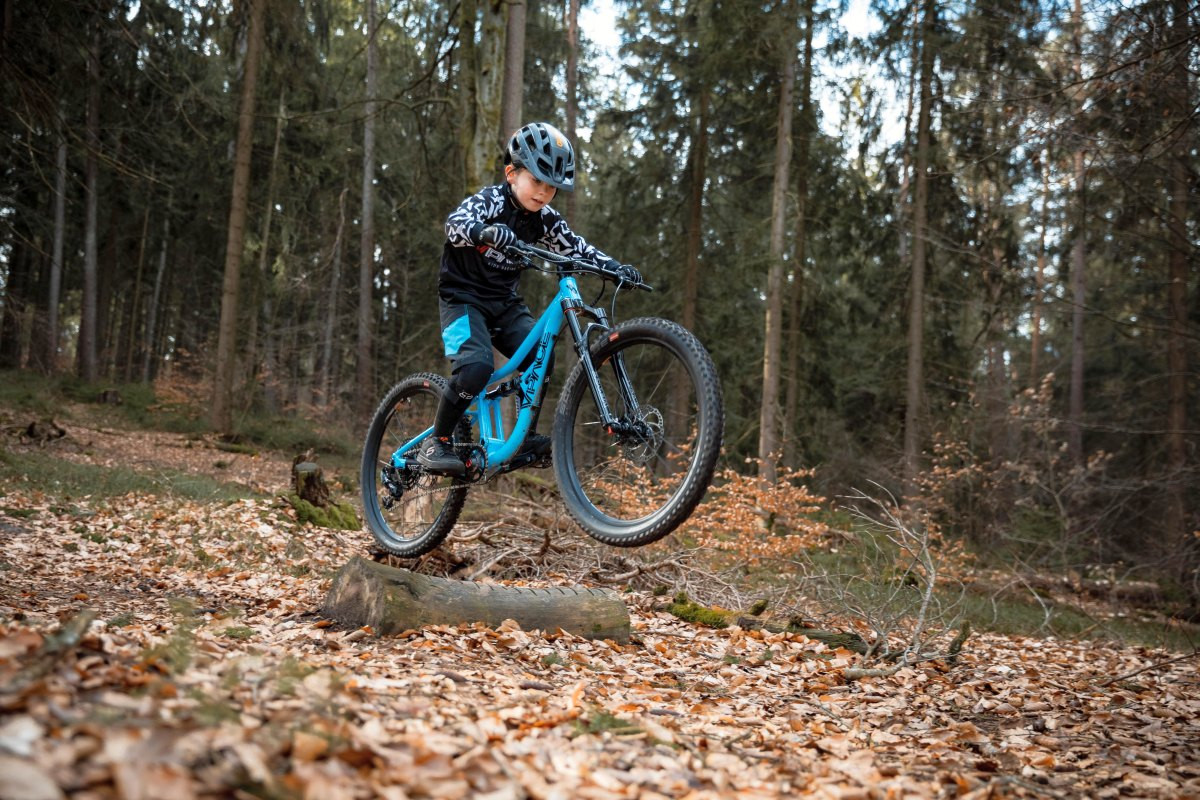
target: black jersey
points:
(481, 272)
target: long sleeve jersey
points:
(478, 272)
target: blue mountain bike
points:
(636, 434)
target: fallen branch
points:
(638, 569)
(54, 647)
(1158, 665)
(855, 673)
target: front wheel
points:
(408, 510)
(636, 483)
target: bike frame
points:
(498, 445)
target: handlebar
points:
(566, 264)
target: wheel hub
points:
(642, 437)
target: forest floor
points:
(159, 646)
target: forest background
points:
(955, 258)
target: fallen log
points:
(392, 600)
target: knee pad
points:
(468, 381)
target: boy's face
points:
(531, 194)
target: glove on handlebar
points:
(624, 273)
(627, 273)
(497, 235)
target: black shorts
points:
(470, 330)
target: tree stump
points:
(308, 481)
(394, 600)
(312, 499)
(42, 431)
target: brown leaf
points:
(24, 780)
(308, 747)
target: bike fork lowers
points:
(573, 308)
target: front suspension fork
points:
(581, 335)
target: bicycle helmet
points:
(542, 149)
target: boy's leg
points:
(468, 344)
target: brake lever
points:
(620, 281)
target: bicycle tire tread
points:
(684, 502)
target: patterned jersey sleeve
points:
(475, 210)
(561, 239)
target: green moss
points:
(338, 515)
(693, 612)
(239, 632)
(602, 721)
(121, 620)
(291, 672)
(175, 653)
(236, 448)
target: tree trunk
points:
(152, 312)
(106, 277)
(130, 338)
(1039, 297)
(54, 297)
(688, 316)
(514, 71)
(366, 268)
(87, 323)
(467, 67)
(394, 600)
(695, 230)
(1078, 265)
(1179, 533)
(903, 199)
(487, 143)
(331, 316)
(768, 427)
(807, 127)
(261, 288)
(18, 279)
(222, 405)
(914, 384)
(572, 99)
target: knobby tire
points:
(631, 493)
(424, 515)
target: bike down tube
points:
(530, 383)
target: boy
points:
(477, 284)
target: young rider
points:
(477, 284)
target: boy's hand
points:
(627, 273)
(498, 236)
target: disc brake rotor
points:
(644, 444)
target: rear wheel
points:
(408, 510)
(637, 483)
